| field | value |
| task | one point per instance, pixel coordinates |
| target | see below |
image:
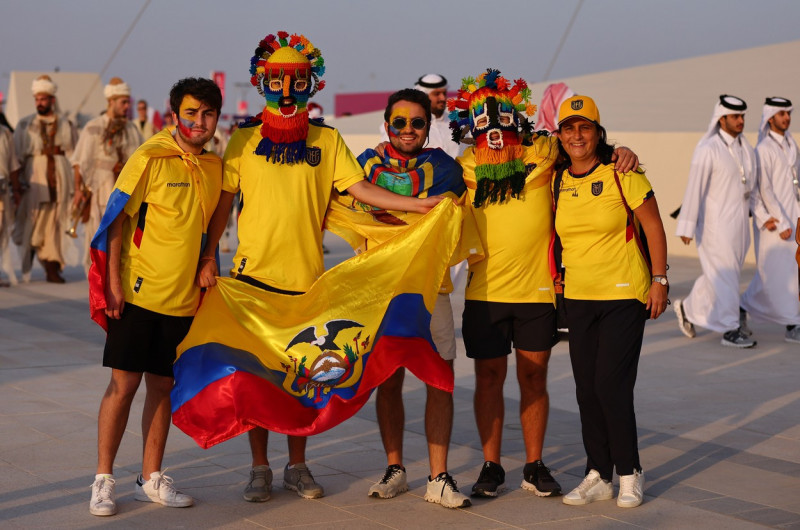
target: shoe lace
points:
(165, 482)
(104, 489)
(305, 475)
(587, 483)
(391, 472)
(450, 482)
(258, 475)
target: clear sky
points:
(372, 45)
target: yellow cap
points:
(580, 107)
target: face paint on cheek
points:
(186, 121)
(399, 113)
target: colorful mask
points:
(489, 108)
(286, 71)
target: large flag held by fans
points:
(303, 364)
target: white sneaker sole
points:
(465, 503)
(629, 504)
(530, 487)
(303, 494)
(143, 497)
(587, 500)
(105, 512)
(375, 494)
(682, 322)
(740, 346)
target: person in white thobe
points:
(772, 295)
(8, 165)
(715, 212)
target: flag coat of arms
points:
(302, 364)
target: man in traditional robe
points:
(43, 143)
(103, 148)
(772, 295)
(286, 167)
(715, 211)
(143, 122)
(9, 165)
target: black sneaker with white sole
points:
(736, 339)
(490, 481)
(537, 478)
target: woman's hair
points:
(604, 150)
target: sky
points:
(376, 45)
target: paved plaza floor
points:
(719, 432)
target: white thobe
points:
(715, 213)
(96, 160)
(772, 295)
(8, 164)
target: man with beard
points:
(715, 211)
(402, 167)
(509, 297)
(144, 258)
(772, 295)
(43, 143)
(286, 167)
(103, 147)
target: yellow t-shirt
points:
(515, 234)
(600, 253)
(284, 205)
(169, 210)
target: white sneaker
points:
(793, 335)
(103, 502)
(443, 490)
(393, 483)
(592, 488)
(160, 489)
(631, 490)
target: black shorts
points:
(490, 328)
(144, 341)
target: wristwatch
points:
(661, 279)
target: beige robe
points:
(8, 164)
(41, 224)
(96, 160)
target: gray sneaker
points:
(443, 490)
(393, 483)
(736, 339)
(299, 479)
(260, 485)
(686, 327)
(793, 335)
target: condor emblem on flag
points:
(597, 188)
(313, 155)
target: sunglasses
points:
(400, 123)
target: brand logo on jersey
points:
(313, 156)
(597, 188)
(577, 104)
(178, 185)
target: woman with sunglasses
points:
(609, 293)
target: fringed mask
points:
(286, 71)
(489, 107)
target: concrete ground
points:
(718, 432)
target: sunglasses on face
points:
(400, 123)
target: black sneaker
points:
(736, 339)
(537, 478)
(489, 481)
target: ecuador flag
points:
(303, 364)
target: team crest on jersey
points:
(529, 168)
(577, 104)
(597, 188)
(313, 156)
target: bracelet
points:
(208, 258)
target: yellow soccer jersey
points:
(600, 254)
(284, 205)
(169, 211)
(515, 234)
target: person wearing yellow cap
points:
(286, 167)
(103, 147)
(43, 142)
(611, 287)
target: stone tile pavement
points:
(719, 437)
